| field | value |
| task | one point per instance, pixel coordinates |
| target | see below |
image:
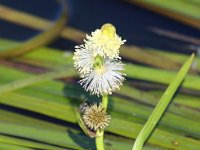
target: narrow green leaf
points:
(26, 143)
(162, 105)
(5, 146)
(35, 79)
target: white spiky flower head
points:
(105, 41)
(98, 63)
(95, 117)
(104, 78)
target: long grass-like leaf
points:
(162, 105)
(35, 79)
(5, 146)
(27, 143)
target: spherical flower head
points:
(104, 78)
(95, 117)
(105, 42)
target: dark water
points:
(133, 23)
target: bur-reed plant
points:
(98, 66)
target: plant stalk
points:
(99, 139)
(105, 102)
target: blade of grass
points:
(5, 146)
(35, 79)
(162, 105)
(27, 143)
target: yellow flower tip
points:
(108, 30)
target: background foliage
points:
(37, 108)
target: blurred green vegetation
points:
(39, 91)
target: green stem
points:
(105, 102)
(162, 105)
(99, 139)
